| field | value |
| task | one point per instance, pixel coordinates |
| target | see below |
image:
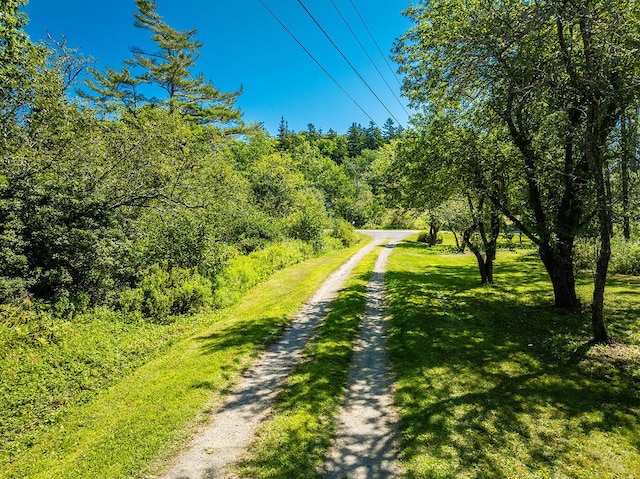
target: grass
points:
(492, 382)
(296, 438)
(49, 366)
(146, 416)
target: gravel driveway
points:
(360, 452)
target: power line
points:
(347, 60)
(368, 56)
(375, 42)
(315, 60)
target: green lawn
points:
(147, 415)
(492, 382)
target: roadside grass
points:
(493, 382)
(147, 416)
(51, 365)
(296, 438)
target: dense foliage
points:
(131, 197)
(150, 182)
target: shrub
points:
(58, 239)
(584, 254)
(244, 272)
(426, 237)
(163, 293)
(344, 231)
(625, 257)
(308, 222)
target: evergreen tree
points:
(169, 70)
(312, 132)
(285, 136)
(115, 89)
(356, 140)
(283, 129)
(389, 130)
(374, 137)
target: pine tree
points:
(356, 139)
(374, 137)
(389, 130)
(115, 89)
(285, 136)
(312, 132)
(168, 69)
(283, 129)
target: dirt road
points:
(365, 443)
(233, 425)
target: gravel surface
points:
(233, 425)
(365, 445)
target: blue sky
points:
(244, 45)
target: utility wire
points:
(375, 42)
(315, 60)
(368, 56)
(347, 60)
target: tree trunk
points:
(489, 242)
(625, 128)
(559, 264)
(599, 167)
(485, 263)
(433, 233)
(600, 334)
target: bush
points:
(584, 254)
(244, 272)
(625, 257)
(163, 293)
(425, 237)
(344, 231)
(308, 222)
(58, 239)
(26, 324)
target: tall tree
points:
(374, 137)
(389, 129)
(168, 69)
(21, 64)
(628, 151)
(356, 139)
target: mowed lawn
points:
(493, 382)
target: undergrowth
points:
(52, 365)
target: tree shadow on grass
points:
(492, 386)
(251, 334)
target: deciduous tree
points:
(557, 74)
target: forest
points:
(133, 199)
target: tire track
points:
(233, 425)
(365, 444)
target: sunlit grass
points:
(295, 440)
(147, 416)
(493, 382)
